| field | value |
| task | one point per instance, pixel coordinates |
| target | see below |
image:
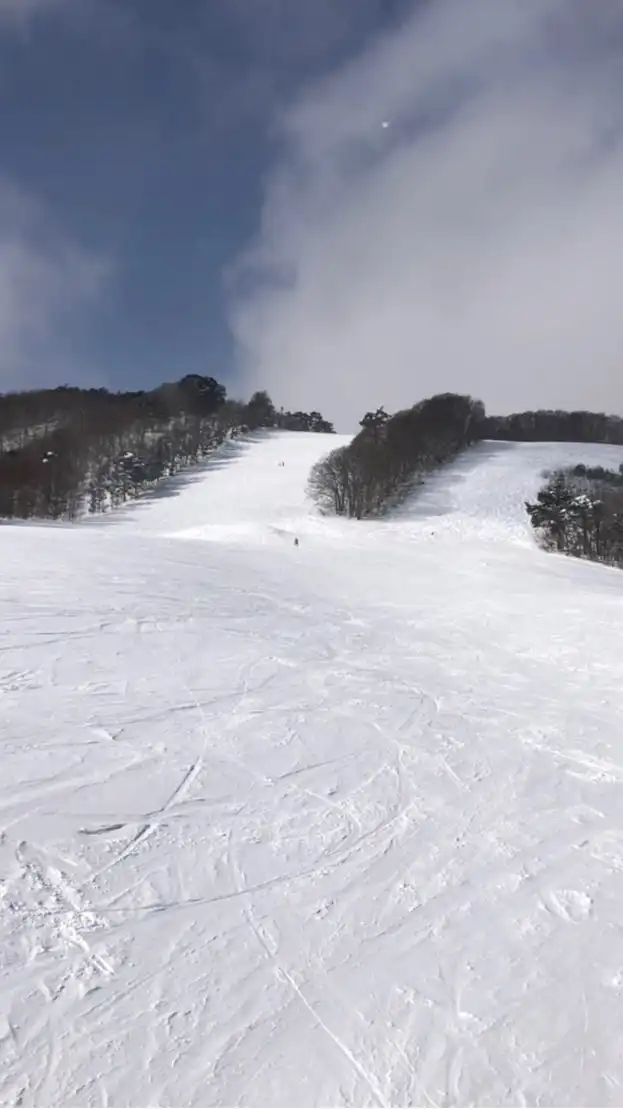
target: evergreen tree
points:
(554, 508)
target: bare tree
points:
(329, 481)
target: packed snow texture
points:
(330, 824)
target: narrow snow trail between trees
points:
(335, 824)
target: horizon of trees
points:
(555, 426)
(68, 451)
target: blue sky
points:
(347, 202)
(141, 132)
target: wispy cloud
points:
(251, 56)
(280, 33)
(47, 282)
(107, 22)
(17, 13)
(474, 244)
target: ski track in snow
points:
(334, 824)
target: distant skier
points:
(296, 540)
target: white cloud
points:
(46, 282)
(475, 244)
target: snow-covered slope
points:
(336, 824)
(483, 494)
(247, 492)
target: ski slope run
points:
(334, 824)
(253, 495)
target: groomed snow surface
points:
(335, 824)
